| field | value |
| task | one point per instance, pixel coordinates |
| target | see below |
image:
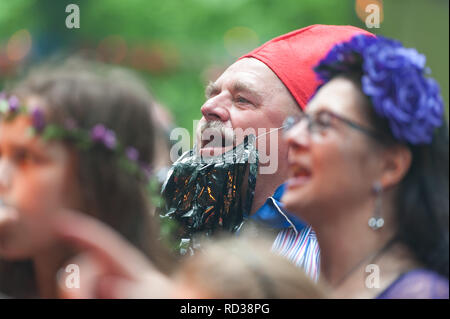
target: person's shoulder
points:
(418, 284)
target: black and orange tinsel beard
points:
(204, 195)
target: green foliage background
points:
(188, 35)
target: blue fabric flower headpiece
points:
(393, 77)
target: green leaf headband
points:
(97, 136)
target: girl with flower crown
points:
(369, 172)
(72, 138)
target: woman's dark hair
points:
(423, 205)
(92, 94)
(422, 202)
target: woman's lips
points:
(295, 182)
(300, 176)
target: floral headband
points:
(97, 136)
(392, 76)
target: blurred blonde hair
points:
(244, 268)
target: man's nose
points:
(215, 109)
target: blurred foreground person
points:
(243, 268)
(226, 268)
(369, 172)
(75, 137)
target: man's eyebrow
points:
(240, 86)
(211, 89)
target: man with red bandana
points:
(259, 91)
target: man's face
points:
(247, 98)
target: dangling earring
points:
(377, 221)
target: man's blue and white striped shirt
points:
(295, 240)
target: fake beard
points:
(204, 194)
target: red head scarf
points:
(293, 56)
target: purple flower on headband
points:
(344, 57)
(393, 77)
(132, 154)
(147, 170)
(13, 103)
(100, 134)
(37, 119)
(110, 139)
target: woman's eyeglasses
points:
(322, 121)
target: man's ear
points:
(396, 163)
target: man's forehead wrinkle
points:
(240, 85)
(261, 70)
(254, 77)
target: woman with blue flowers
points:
(369, 172)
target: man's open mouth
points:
(216, 138)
